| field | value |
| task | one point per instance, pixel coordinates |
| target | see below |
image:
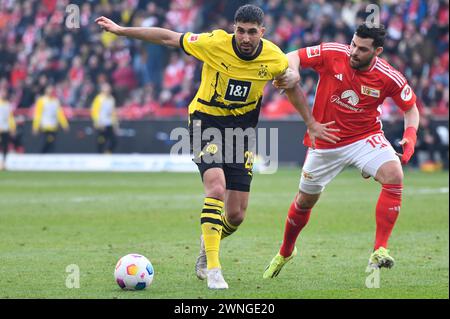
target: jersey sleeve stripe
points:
(333, 44)
(400, 84)
(338, 50)
(335, 47)
(343, 47)
(399, 78)
(389, 75)
(393, 71)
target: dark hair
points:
(377, 33)
(249, 13)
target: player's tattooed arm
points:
(154, 35)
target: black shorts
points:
(4, 141)
(233, 154)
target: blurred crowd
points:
(56, 42)
(55, 46)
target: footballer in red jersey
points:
(352, 96)
(353, 83)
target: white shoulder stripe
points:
(334, 44)
(389, 75)
(343, 47)
(400, 84)
(400, 79)
(337, 50)
(392, 71)
(395, 73)
(390, 68)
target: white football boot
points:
(200, 264)
(215, 279)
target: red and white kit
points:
(352, 99)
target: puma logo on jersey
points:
(226, 66)
(339, 76)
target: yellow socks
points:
(228, 228)
(211, 224)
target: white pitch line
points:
(426, 191)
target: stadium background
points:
(153, 85)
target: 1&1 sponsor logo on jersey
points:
(237, 91)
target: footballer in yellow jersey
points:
(48, 115)
(229, 96)
(236, 67)
(104, 118)
(232, 83)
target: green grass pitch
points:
(51, 220)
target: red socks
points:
(388, 208)
(297, 219)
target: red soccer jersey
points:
(350, 97)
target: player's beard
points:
(361, 64)
(247, 49)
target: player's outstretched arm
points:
(154, 35)
(315, 129)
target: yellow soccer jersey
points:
(232, 84)
(7, 122)
(47, 114)
(103, 111)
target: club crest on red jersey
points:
(370, 91)
(312, 52)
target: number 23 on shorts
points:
(249, 159)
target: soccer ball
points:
(134, 272)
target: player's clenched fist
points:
(108, 25)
